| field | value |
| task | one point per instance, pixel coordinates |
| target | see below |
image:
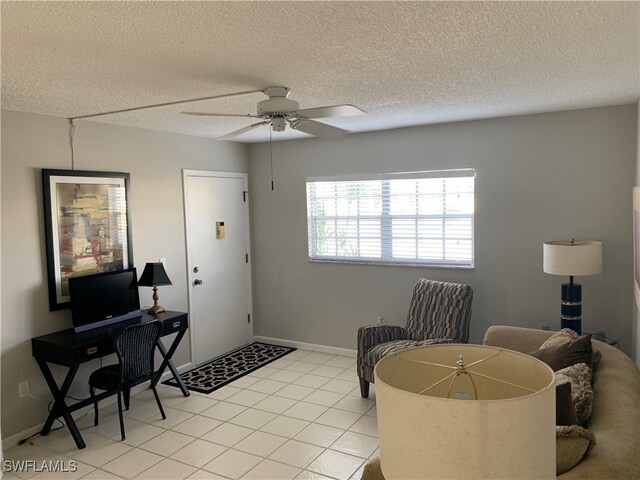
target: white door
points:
(217, 218)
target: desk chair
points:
(439, 312)
(135, 348)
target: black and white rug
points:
(223, 370)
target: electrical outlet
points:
(380, 320)
(23, 389)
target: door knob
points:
(197, 281)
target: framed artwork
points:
(87, 227)
(636, 245)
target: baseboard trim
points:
(347, 352)
(13, 440)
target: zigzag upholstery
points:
(439, 312)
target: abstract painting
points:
(87, 227)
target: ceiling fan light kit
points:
(278, 124)
(278, 110)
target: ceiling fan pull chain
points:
(271, 156)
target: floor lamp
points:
(572, 258)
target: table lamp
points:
(572, 258)
(465, 411)
(154, 275)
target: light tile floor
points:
(299, 417)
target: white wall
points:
(539, 177)
(154, 160)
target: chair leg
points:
(127, 393)
(120, 415)
(92, 390)
(364, 388)
(164, 417)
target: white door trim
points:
(245, 182)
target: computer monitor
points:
(103, 299)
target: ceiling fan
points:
(278, 110)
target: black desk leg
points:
(60, 408)
(167, 362)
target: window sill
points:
(390, 264)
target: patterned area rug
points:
(223, 370)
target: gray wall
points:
(636, 315)
(539, 177)
(154, 160)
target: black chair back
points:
(135, 348)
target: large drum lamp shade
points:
(572, 258)
(465, 412)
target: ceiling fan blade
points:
(318, 129)
(203, 114)
(243, 130)
(330, 111)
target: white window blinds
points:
(411, 218)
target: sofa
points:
(615, 415)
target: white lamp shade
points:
(572, 259)
(509, 432)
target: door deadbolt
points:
(197, 281)
(196, 269)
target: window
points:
(423, 218)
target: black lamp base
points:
(571, 307)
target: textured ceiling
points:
(405, 63)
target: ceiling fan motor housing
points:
(278, 105)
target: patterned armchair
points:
(439, 312)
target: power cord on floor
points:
(62, 424)
(28, 439)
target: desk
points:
(72, 349)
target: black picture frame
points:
(87, 227)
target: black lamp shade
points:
(154, 275)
